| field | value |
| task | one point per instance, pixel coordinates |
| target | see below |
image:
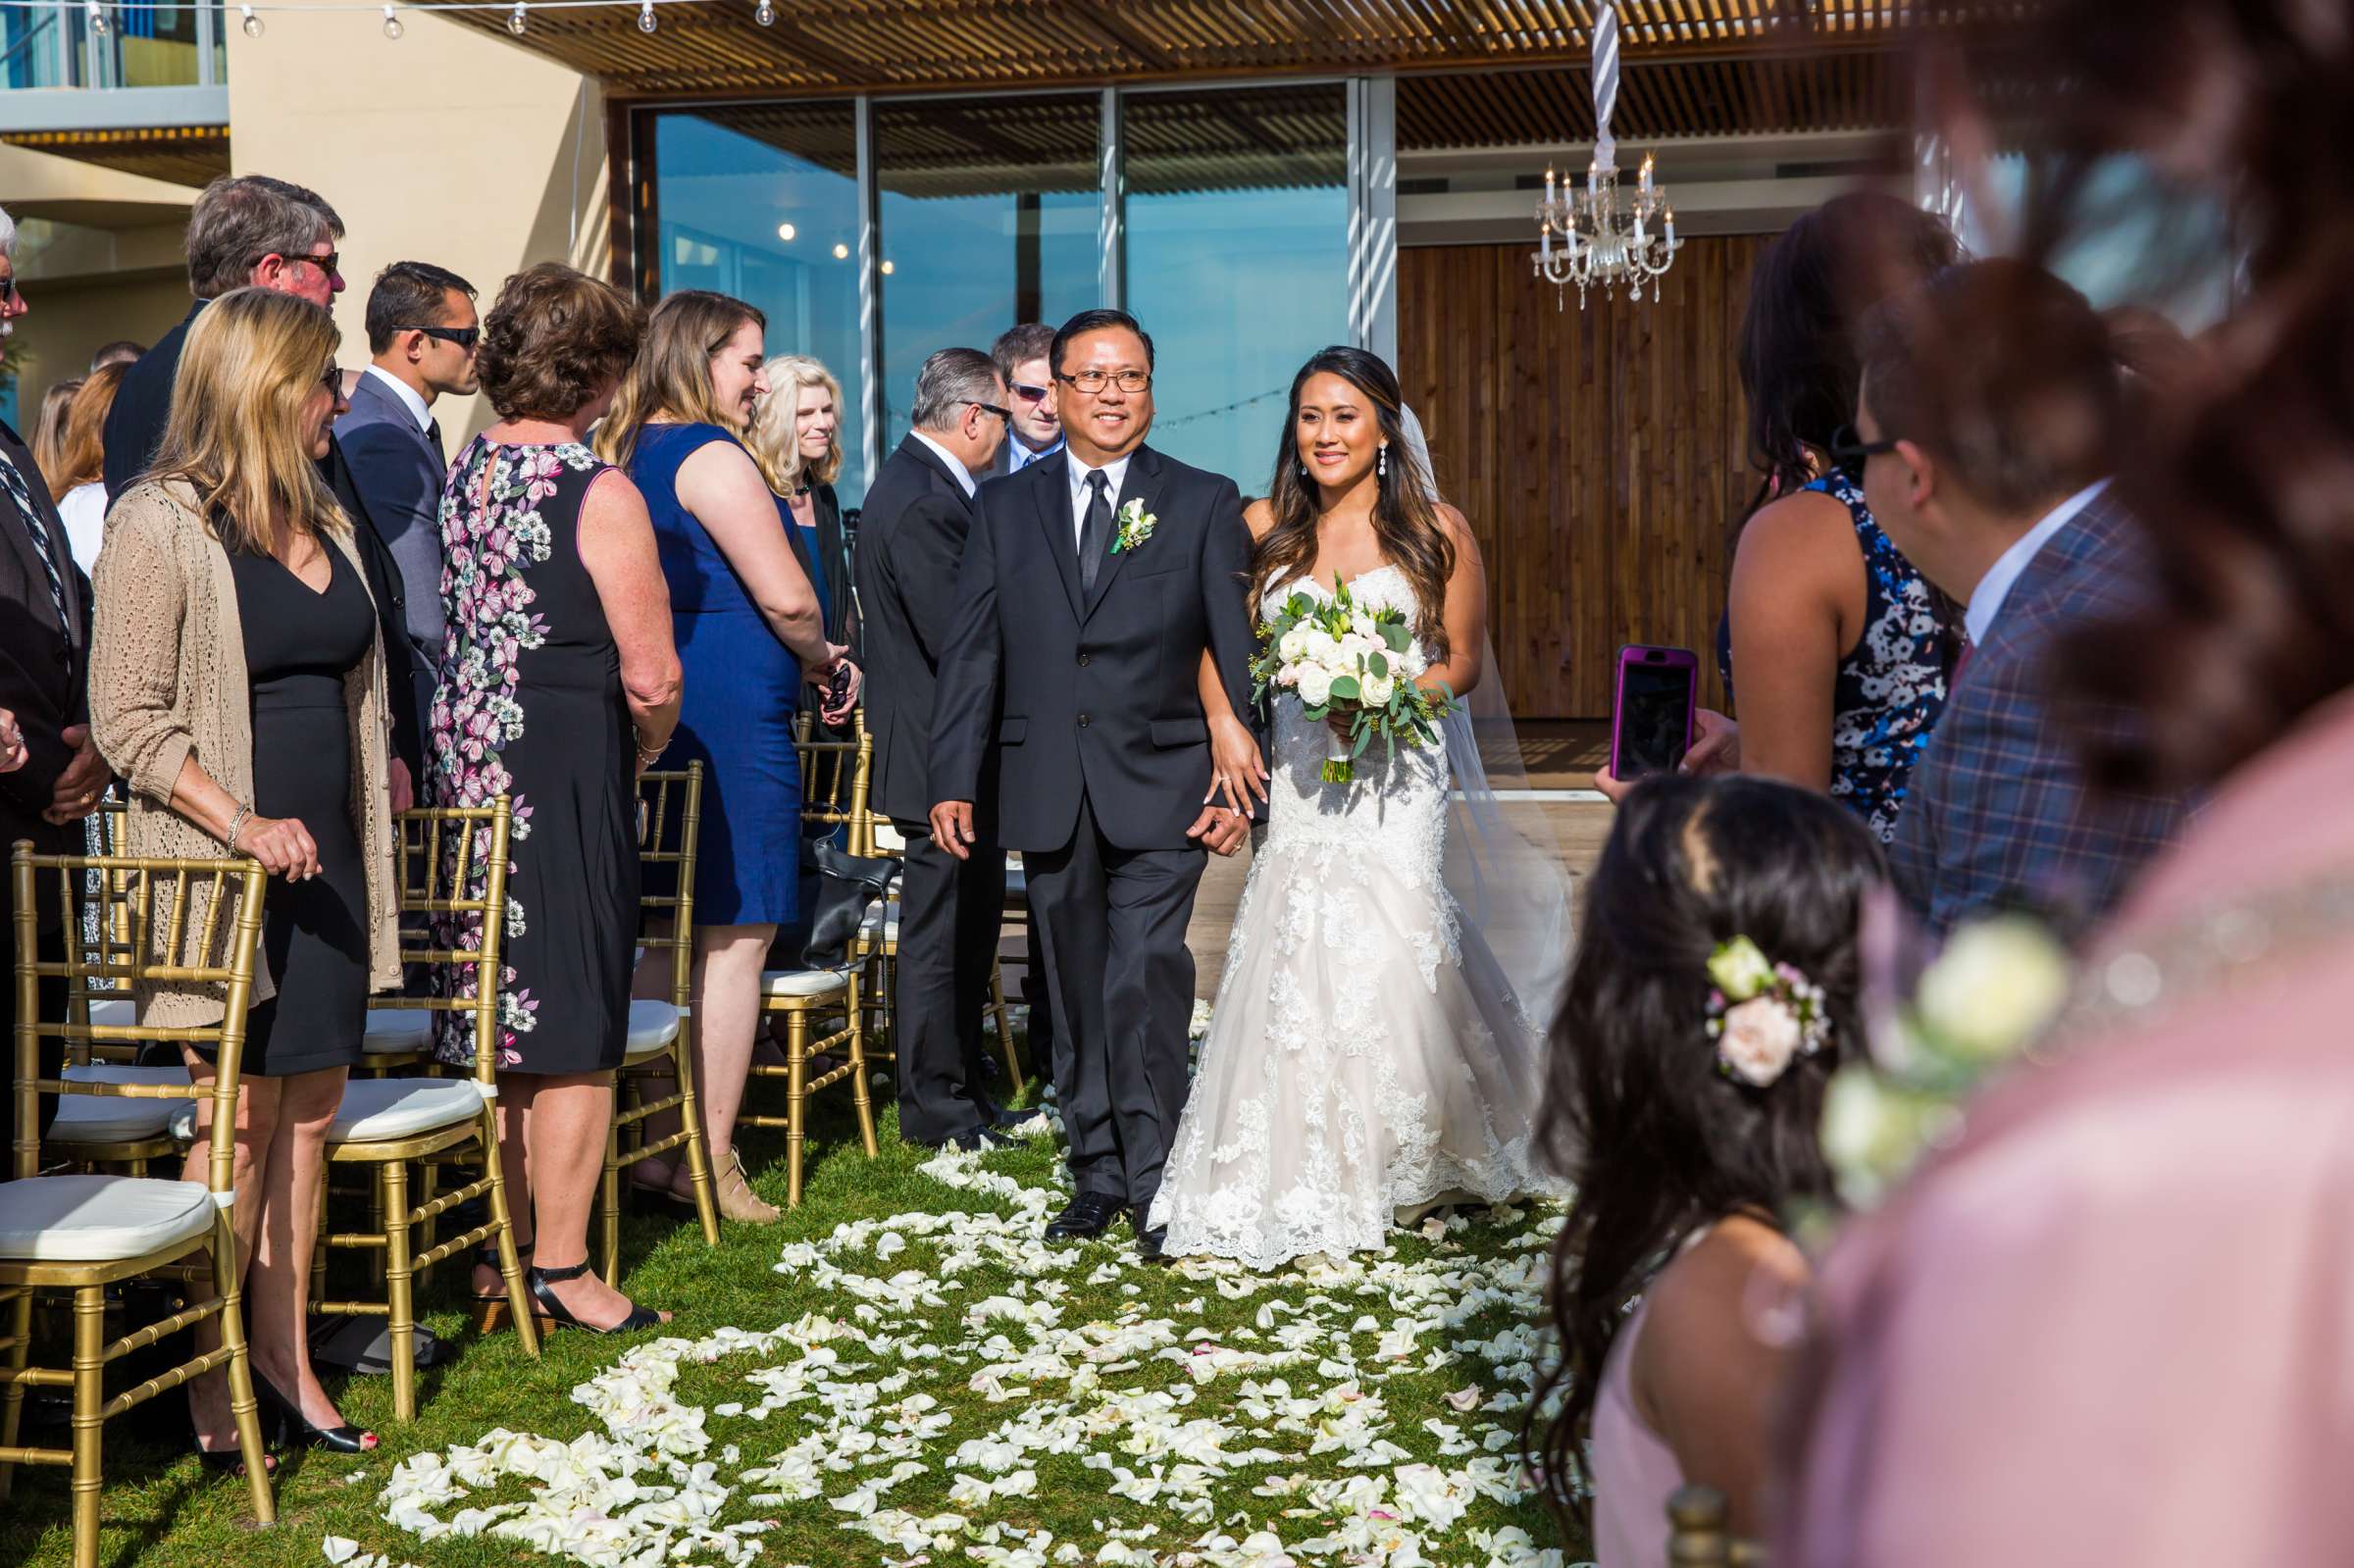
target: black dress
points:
(300, 646)
(530, 705)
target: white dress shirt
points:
(1019, 457)
(416, 406)
(1115, 474)
(1987, 599)
(83, 509)
(964, 475)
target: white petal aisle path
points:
(943, 1388)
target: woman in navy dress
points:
(750, 631)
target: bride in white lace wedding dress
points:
(1366, 1052)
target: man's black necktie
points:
(432, 436)
(1095, 533)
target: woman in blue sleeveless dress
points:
(750, 631)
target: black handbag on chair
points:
(847, 887)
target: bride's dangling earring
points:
(1381, 461)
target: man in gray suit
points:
(422, 329)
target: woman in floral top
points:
(558, 683)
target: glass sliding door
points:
(761, 201)
(1237, 234)
(990, 211)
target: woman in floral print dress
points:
(558, 684)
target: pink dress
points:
(1635, 1472)
(2116, 1324)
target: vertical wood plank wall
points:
(1599, 454)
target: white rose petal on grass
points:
(338, 1548)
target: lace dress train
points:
(1354, 1066)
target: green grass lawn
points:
(901, 1373)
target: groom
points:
(1091, 583)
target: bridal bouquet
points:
(1352, 667)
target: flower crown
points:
(1761, 1014)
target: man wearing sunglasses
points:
(1036, 430)
(422, 329)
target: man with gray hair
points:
(911, 538)
(245, 230)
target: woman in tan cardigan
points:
(236, 681)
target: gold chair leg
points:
(858, 1095)
(377, 1225)
(997, 1005)
(608, 1186)
(243, 1407)
(510, 1261)
(89, 1398)
(698, 1152)
(392, 1197)
(796, 1068)
(12, 1399)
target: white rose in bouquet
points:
(1321, 645)
(1365, 622)
(1998, 983)
(1293, 646)
(1315, 685)
(1379, 689)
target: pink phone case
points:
(1662, 660)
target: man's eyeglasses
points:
(1028, 393)
(463, 336)
(1005, 414)
(329, 265)
(1093, 382)
(1849, 449)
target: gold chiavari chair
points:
(657, 1058)
(877, 940)
(1700, 1533)
(79, 1234)
(385, 1125)
(834, 793)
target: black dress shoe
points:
(1152, 1246)
(1089, 1216)
(1009, 1118)
(973, 1140)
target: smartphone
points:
(1650, 714)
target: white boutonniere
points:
(1136, 526)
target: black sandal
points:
(490, 1312)
(555, 1312)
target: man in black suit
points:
(44, 698)
(250, 230)
(422, 331)
(1091, 586)
(912, 535)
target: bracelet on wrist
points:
(236, 826)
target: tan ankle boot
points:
(733, 1191)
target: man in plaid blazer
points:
(1987, 425)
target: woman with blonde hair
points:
(236, 681)
(796, 437)
(751, 629)
(78, 483)
(49, 429)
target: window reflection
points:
(990, 209)
(761, 201)
(1237, 227)
(154, 46)
(30, 53)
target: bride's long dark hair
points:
(1658, 1140)
(1405, 519)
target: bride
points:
(1369, 1052)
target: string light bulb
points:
(98, 22)
(515, 20)
(645, 17)
(392, 28)
(786, 231)
(842, 252)
(252, 23)
(764, 13)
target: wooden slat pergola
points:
(1688, 63)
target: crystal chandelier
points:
(1603, 241)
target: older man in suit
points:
(54, 775)
(911, 538)
(422, 330)
(1985, 429)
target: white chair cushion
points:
(399, 1031)
(1017, 881)
(881, 920)
(804, 981)
(889, 840)
(652, 1027)
(109, 1118)
(377, 1110)
(98, 1219)
(113, 1012)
